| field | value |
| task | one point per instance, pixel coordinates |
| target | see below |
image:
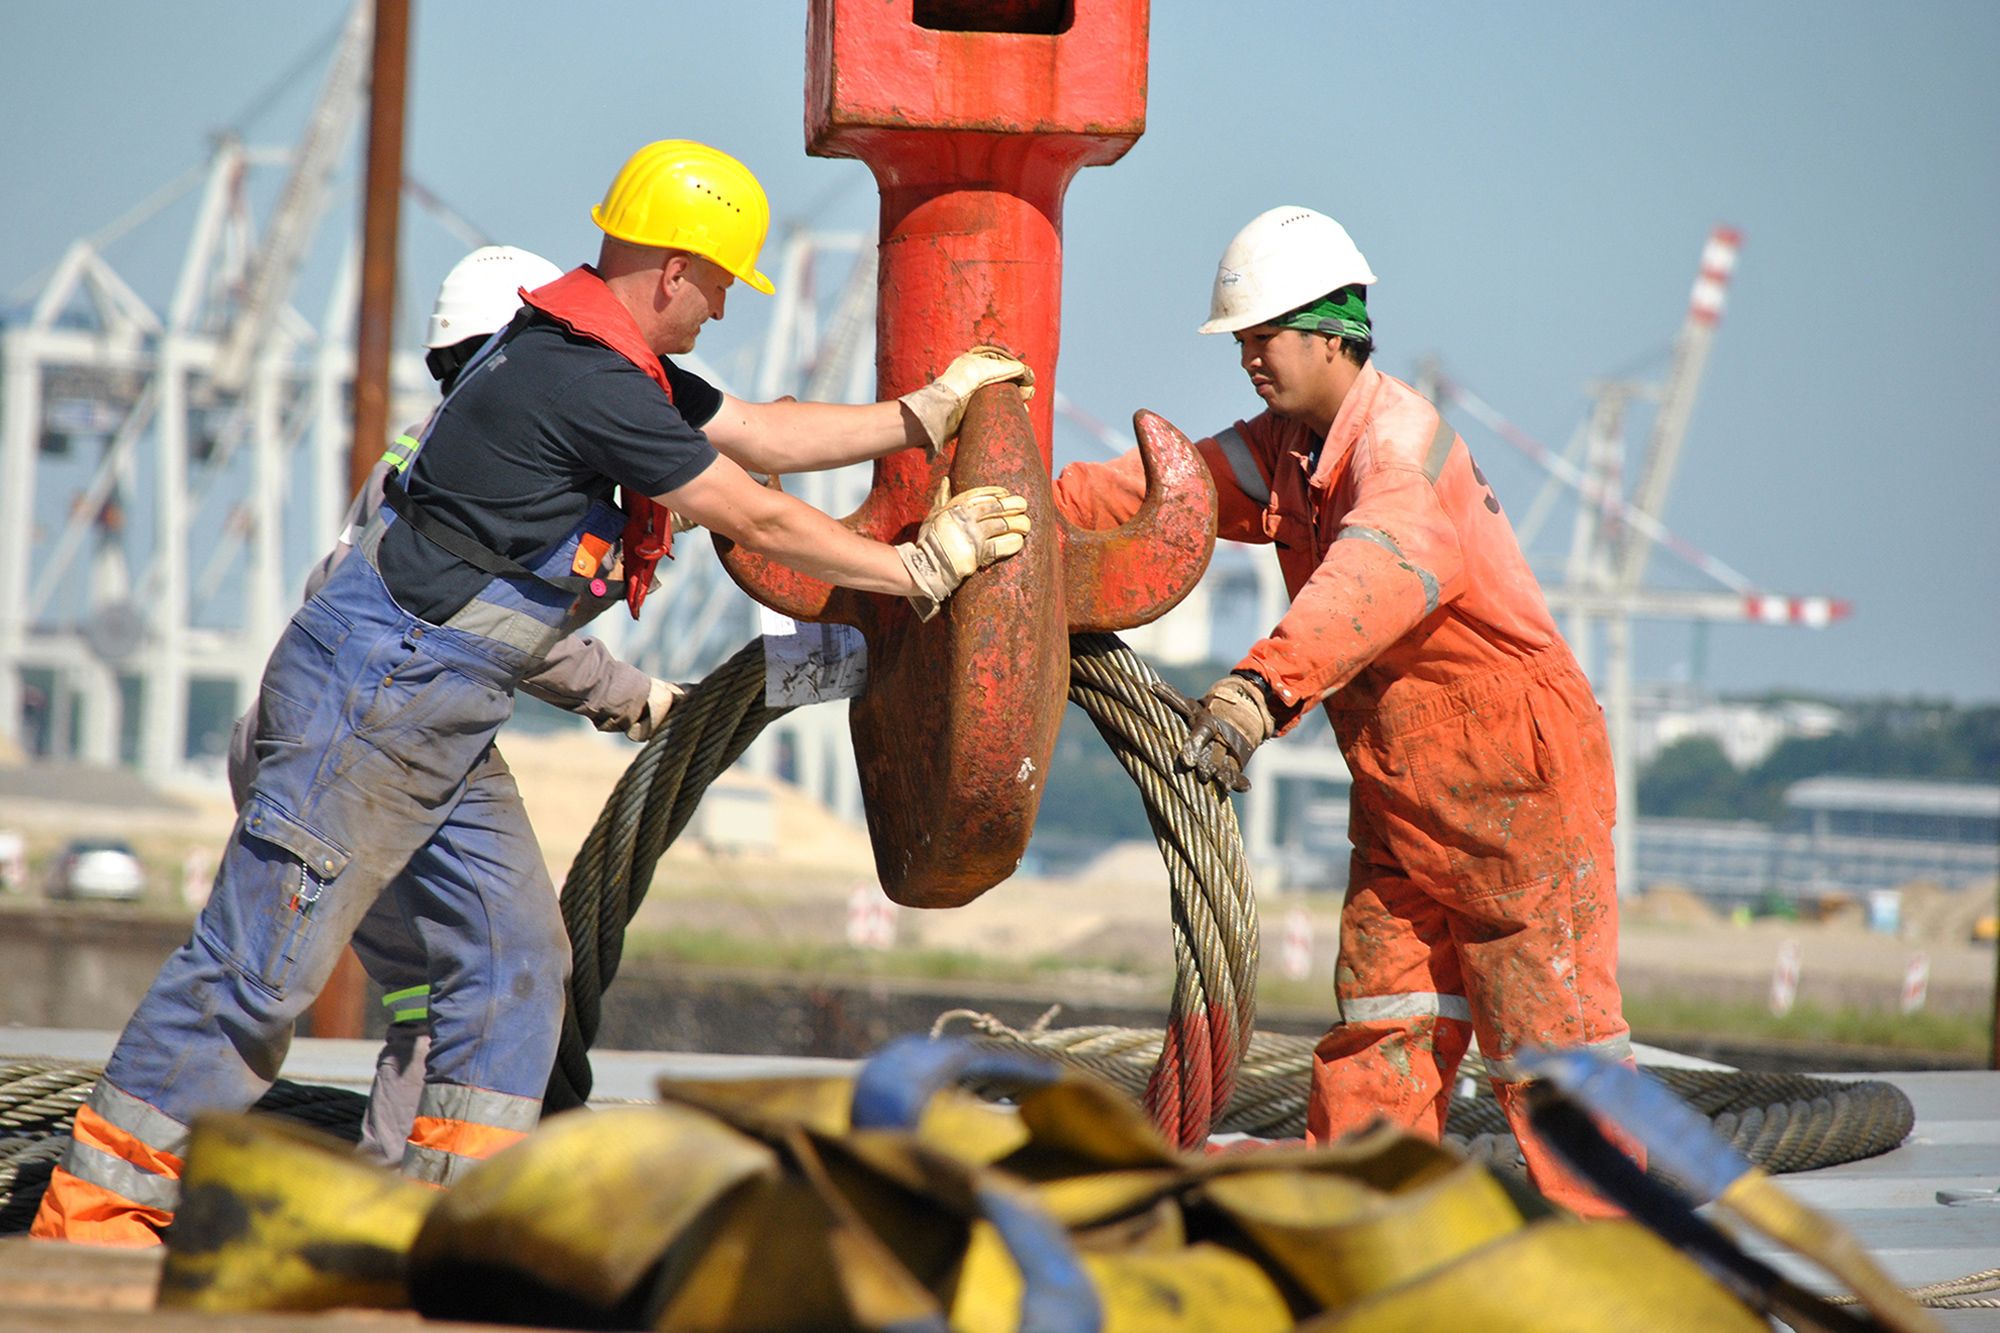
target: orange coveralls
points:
(1481, 895)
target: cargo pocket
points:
(300, 672)
(1489, 796)
(303, 865)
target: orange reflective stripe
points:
(95, 1131)
(76, 1210)
(462, 1138)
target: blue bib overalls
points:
(375, 767)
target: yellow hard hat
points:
(681, 195)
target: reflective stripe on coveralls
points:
(400, 452)
(1242, 466)
(1388, 543)
(1416, 1004)
(410, 1005)
(458, 1127)
(1513, 1071)
(120, 1176)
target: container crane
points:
(172, 401)
(1614, 533)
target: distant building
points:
(1838, 835)
(1746, 731)
(1876, 833)
(1726, 861)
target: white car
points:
(100, 869)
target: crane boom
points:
(299, 205)
(1663, 448)
(1761, 608)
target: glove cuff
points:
(934, 582)
(1243, 706)
(938, 410)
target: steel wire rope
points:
(1213, 908)
(1781, 1122)
(647, 809)
(1213, 912)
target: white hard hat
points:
(482, 292)
(1282, 260)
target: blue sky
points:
(1532, 184)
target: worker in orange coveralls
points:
(1481, 895)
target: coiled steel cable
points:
(39, 1100)
(1214, 911)
(1782, 1122)
(647, 809)
(1958, 1293)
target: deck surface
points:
(1891, 1202)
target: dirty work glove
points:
(1224, 728)
(939, 405)
(964, 532)
(661, 697)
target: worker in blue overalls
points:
(477, 298)
(380, 702)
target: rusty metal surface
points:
(954, 734)
(1136, 573)
(974, 119)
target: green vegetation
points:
(1807, 1024)
(804, 958)
(1810, 1024)
(1935, 742)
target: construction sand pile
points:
(1930, 912)
(1668, 905)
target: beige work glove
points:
(661, 697)
(963, 532)
(1224, 728)
(939, 405)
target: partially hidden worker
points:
(379, 705)
(1481, 895)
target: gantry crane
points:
(227, 417)
(1615, 533)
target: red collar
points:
(581, 302)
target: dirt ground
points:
(760, 859)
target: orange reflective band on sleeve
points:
(76, 1210)
(462, 1138)
(93, 1130)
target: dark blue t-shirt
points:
(538, 430)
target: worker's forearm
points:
(785, 438)
(800, 537)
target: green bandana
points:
(1341, 314)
